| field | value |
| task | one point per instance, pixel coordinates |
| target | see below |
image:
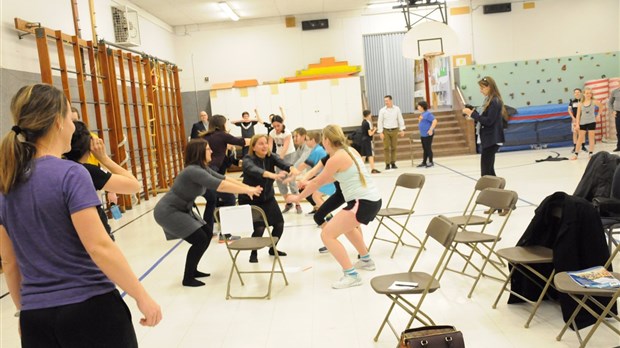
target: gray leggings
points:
(284, 188)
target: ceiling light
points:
(229, 11)
(379, 5)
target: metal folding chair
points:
(409, 182)
(468, 216)
(229, 218)
(439, 229)
(481, 243)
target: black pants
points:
(200, 240)
(487, 160)
(427, 143)
(101, 321)
(216, 199)
(332, 203)
(617, 119)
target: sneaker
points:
(374, 171)
(287, 207)
(365, 265)
(227, 238)
(347, 281)
(394, 166)
(254, 256)
(387, 167)
(421, 165)
(280, 252)
(584, 148)
(323, 250)
(298, 209)
(430, 165)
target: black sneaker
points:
(387, 167)
(584, 148)
(421, 165)
(323, 250)
(374, 171)
(430, 165)
(394, 166)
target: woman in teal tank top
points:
(363, 202)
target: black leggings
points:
(332, 203)
(101, 321)
(200, 240)
(276, 230)
(427, 143)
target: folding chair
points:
(443, 231)
(413, 139)
(494, 199)
(408, 181)
(585, 297)
(524, 257)
(468, 217)
(238, 219)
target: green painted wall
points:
(538, 82)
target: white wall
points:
(267, 50)
(157, 37)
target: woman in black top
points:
(117, 179)
(219, 139)
(259, 170)
(490, 123)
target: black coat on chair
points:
(597, 178)
(572, 228)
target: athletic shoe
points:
(365, 265)
(287, 207)
(323, 250)
(421, 165)
(430, 165)
(394, 166)
(387, 167)
(347, 281)
(374, 171)
(298, 209)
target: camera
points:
(470, 107)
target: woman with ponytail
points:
(60, 266)
(363, 203)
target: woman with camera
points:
(490, 124)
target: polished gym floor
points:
(308, 312)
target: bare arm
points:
(432, 128)
(121, 181)
(9, 265)
(109, 258)
(258, 116)
(287, 142)
(282, 114)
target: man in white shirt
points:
(390, 126)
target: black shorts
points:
(365, 210)
(366, 149)
(587, 126)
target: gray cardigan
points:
(174, 211)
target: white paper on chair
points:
(236, 219)
(402, 286)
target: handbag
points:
(438, 336)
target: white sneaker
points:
(365, 265)
(347, 281)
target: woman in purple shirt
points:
(60, 265)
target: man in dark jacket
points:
(200, 126)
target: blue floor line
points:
(148, 271)
(474, 179)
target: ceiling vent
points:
(126, 28)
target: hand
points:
(97, 148)
(112, 198)
(467, 111)
(254, 191)
(292, 199)
(401, 134)
(151, 311)
(301, 184)
(281, 176)
(430, 132)
(381, 136)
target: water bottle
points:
(116, 211)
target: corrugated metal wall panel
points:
(388, 72)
